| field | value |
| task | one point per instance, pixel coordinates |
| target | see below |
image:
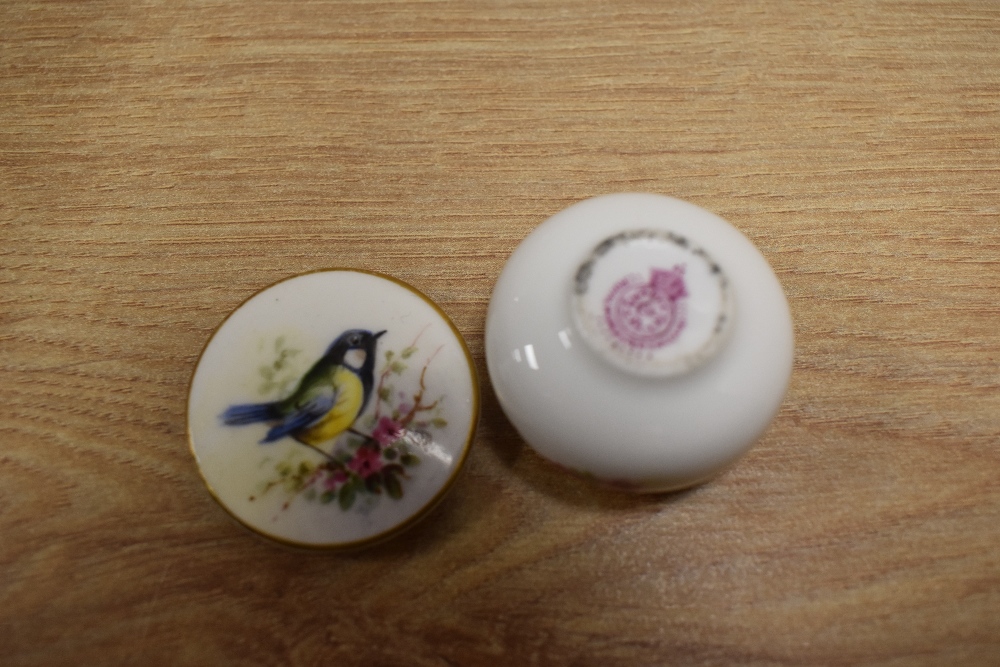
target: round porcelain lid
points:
(332, 409)
(640, 340)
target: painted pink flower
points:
(366, 461)
(387, 432)
(335, 478)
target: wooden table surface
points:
(161, 161)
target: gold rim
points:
(418, 514)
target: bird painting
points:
(328, 399)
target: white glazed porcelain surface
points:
(422, 410)
(584, 408)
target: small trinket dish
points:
(639, 340)
(333, 409)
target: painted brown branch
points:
(418, 398)
(388, 371)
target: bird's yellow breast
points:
(350, 394)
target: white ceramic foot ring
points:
(651, 303)
(639, 340)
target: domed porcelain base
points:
(332, 409)
(639, 340)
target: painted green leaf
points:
(384, 394)
(327, 497)
(392, 485)
(347, 494)
(438, 422)
(397, 367)
(408, 352)
(409, 460)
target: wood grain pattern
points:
(161, 161)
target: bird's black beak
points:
(379, 333)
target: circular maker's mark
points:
(652, 303)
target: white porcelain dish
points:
(639, 340)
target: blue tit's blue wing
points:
(306, 414)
